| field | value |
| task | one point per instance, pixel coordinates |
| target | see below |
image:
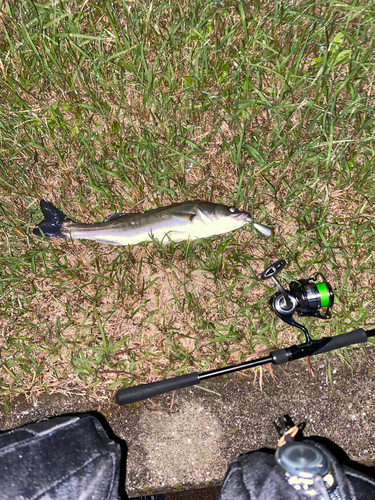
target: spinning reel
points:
(306, 297)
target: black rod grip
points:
(145, 391)
(343, 340)
(319, 346)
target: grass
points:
(126, 106)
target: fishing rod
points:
(306, 297)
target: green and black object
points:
(306, 298)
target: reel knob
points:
(273, 270)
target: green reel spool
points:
(312, 296)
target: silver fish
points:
(178, 222)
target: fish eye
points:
(232, 209)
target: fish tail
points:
(51, 226)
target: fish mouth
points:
(243, 216)
(266, 231)
(238, 215)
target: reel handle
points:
(270, 273)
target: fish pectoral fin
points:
(115, 216)
(189, 217)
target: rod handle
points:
(145, 391)
(319, 346)
(343, 340)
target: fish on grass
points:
(178, 222)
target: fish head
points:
(240, 218)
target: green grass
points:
(126, 106)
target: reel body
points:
(305, 297)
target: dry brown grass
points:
(169, 103)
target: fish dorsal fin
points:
(115, 216)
